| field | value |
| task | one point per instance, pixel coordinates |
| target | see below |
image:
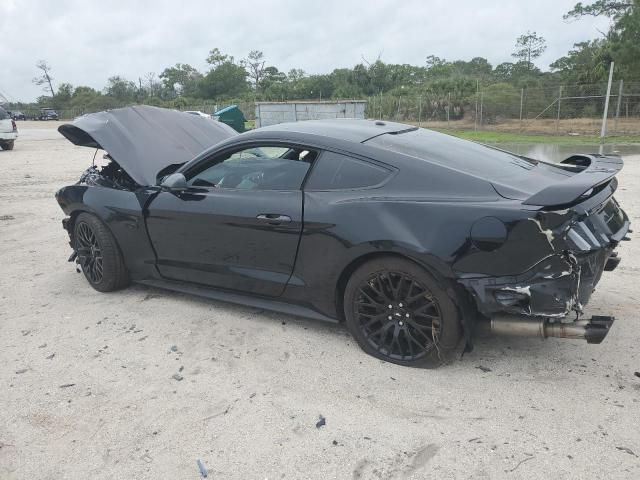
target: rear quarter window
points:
(3, 114)
(334, 171)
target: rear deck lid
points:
(144, 140)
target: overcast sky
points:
(87, 41)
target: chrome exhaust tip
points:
(593, 330)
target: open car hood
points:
(144, 140)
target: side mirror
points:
(174, 182)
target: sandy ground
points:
(87, 388)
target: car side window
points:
(341, 172)
(268, 167)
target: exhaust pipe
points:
(593, 330)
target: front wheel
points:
(7, 145)
(399, 313)
(98, 254)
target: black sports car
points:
(409, 236)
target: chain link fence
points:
(562, 110)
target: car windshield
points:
(463, 155)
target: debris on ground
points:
(22, 370)
(637, 374)
(321, 422)
(50, 356)
(174, 348)
(177, 376)
(67, 385)
(519, 463)
(483, 368)
(203, 470)
(627, 450)
(7, 217)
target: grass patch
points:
(484, 136)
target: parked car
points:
(198, 112)
(48, 114)
(17, 115)
(409, 236)
(8, 130)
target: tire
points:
(98, 254)
(399, 313)
(7, 145)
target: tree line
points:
(254, 78)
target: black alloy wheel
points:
(398, 316)
(98, 254)
(398, 312)
(89, 253)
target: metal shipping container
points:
(271, 113)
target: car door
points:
(238, 223)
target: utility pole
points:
(521, 104)
(420, 111)
(558, 115)
(448, 109)
(618, 105)
(475, 119)
(603, 130)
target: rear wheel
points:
(7, 145)
(399, 313)
(98, 254)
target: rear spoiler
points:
(593, 171)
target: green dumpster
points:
(232, 116)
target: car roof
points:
(348, 129)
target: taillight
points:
(13, 124)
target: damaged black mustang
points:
(409, 236)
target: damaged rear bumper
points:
(556, 286)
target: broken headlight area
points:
(110, 176)
(555, 287)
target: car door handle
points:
(274, 218)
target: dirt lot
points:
(88, 389)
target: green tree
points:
(181, 79)
(529, 47)
(609, 8)
(217, 58)
(227, 79)
(121, 89)
(254, 64)
(586, 63)
(295, 74)
(622, 42)
(272, 76)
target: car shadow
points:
(489, 351)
